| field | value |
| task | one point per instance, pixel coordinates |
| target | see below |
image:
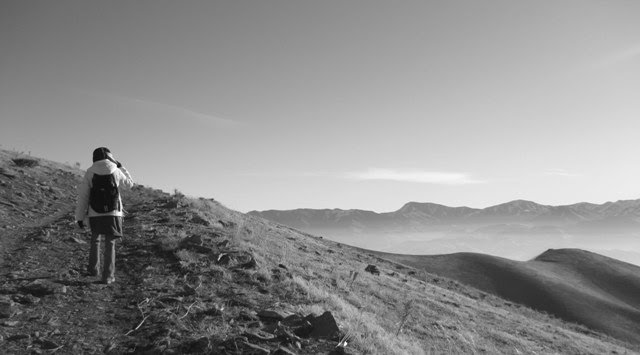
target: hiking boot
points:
(109, 280)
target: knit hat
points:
(101, 154)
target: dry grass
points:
(393, 313)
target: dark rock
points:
(199, 220)
(199, 345)
(18, 337)
(47, 344)
(223, 244)
(372, 269)
(324, 326)
(304, 330)
(7, 308)
(194, 240)
(251, 264)
(227, 224)
(270, 315)
(246, 316)
(223, 259)
(282, 266)
(171, 204)
(40, 288)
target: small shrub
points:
(404, 316)
(172, 242)
(25, 162)
(186, 257)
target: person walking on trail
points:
(99, 199)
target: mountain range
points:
(518, 229)
(414, 216)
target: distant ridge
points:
(576, 285)
(418, 216)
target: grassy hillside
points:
(575, 285)
(196, 277)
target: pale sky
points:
(333, 104)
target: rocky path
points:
(181, 287)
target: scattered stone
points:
(284, 351)
(7, 308)
(301, 326)
(223, 244)
(199, 220)
(200, 345)
(10, 323)
(223, 259)
(171, 204)
(255, 349)
(227, 224)
(246, 316)
(287, 336)
(270, 315)
(257, 334)
(251, 264)
(372, 269)
(47, 344)
(40, 288)
(324, 326)
(194, 240)
(55, 322)
(18, 337)
(76, 240)
(25, 162)
(339, 351)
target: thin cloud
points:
(622, 56)
(166, 110)
(179, 111)
(415, 176)
(560, 173)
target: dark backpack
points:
(104, 196)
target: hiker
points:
(99, 198)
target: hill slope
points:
(575, 285)
(195, 277)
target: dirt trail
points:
(157, 304)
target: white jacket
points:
(101, 167)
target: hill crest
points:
(196, 277)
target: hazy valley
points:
(518, 230)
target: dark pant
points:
(109, 269)
(110, 228)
